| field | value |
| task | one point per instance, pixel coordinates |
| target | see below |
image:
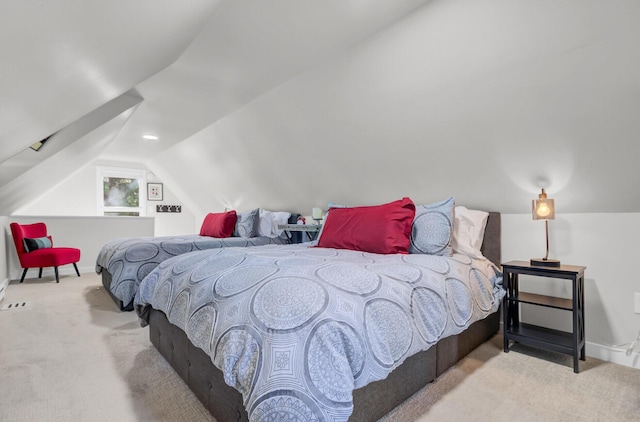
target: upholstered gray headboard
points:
(491, 245)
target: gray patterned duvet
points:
(296, 329)
(130, 260)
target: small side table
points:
(572, 343)
(311, 230)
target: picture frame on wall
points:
(154, 191)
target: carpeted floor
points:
(70, 355)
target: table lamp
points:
(544, 209)
(316, 214)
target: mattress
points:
(127, 261)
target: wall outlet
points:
(636, 301)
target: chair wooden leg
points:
(56, 271)
(40, 273)
(23, 274)
(76, 267)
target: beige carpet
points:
(70, 355)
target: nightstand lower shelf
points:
(544, 338)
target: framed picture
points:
(154, 191)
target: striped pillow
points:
(31, 245)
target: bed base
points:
(106, 282)
(370, 402)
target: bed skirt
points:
(370, 402)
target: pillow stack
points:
(439, 228)
(383, 229)
(244, 224)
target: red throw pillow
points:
(219, 224)
(383, 229)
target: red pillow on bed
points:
(219, 224)
(383, 229)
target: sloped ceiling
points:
(294, 103)
(61, 60)
(246, 48)
(73, 57)
(86, 140)
(488, 101)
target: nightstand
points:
(311, 230)
(572, 343)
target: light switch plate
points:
(636, 306)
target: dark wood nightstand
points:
(311, 230)
(572, 343)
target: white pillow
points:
(265, 221)
(269, 220)
(279, 217)
(468, 231)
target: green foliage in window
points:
(121, 192)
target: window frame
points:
(121, 172)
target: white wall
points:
(607, 244)
(5, 244)
(77, 196)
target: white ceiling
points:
(398, 97)
(244, 49)
(63, 59)
(192, 62)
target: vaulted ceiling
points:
(294, 103)
(192, 63)
(61, 60)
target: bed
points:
(349, 351)
(123, 263)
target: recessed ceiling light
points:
(150, 137)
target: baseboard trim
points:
(613, 354)
(3, 288)
(608, 353)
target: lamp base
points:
(541, 262)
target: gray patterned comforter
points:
(296, 329)
(129, 260)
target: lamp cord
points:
(631, 345)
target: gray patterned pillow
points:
(247, 223)
(432, 228)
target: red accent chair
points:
(40, 258)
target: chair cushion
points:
(50, 257)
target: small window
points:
(121, 191)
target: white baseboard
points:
(608, 353)
(3, 288)
(614, 355)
